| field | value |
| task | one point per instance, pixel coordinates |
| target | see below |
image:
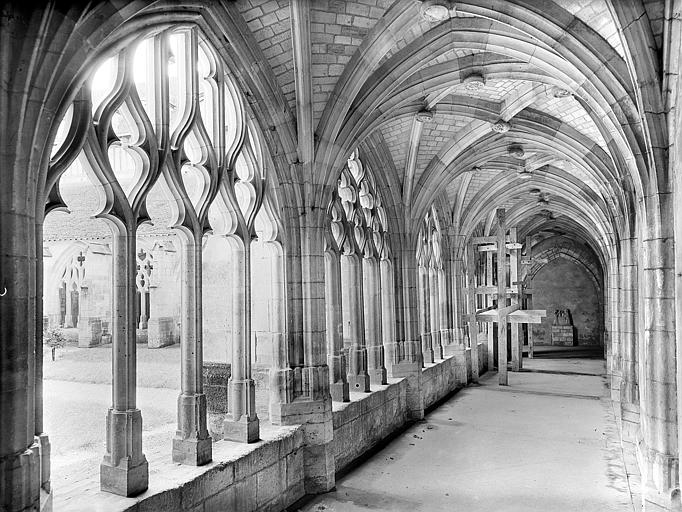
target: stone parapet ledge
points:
(267, 475)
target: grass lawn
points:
(156, 368)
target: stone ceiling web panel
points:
(337, 29)
(480, 178)
(595, 14)
(568, 110)
(396, 133)
(270, 25)
(440, 129)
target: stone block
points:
(124, 481)
(215, 379)
(563, 335)
(224, 500)
(89, 332)
(161, 332)
(271, 482)
(244, 430)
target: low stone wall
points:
(267, 476)
(368, 418)
(439, 380)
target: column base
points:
(124, 480)
(437, 345)
(45, 450)
(20, 485)
(192, 452)
(243, 430)
(427, 349)
(340, 391)
(377, 376)
(359, 383)
(660, 485)
(124, 470)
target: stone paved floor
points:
(548, 442)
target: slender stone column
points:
(281, 374)
(434, 316)
(445, 324)
(338, 385)
(353, 322)
(471, 300)
(459, 303)
(124, 469)
(392, 349)
(424, 323)
(41, 437)
(241, 422)
(371, 286)
(192, 445)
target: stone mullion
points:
(281, 374)
(241, 422)
(471, 310)
(458, 286)
(124, 469)
(424, 322)
(192, 444)
(434, 318)
(41, 437)
(353, 322)
(410, 310)
(444, 310)
(457, 300)
(334, 319)
(392, 348)
(371, 283)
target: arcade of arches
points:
(326, 214)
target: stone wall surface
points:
(363, 422)
(243, 478)
(439, 380)
(574, 291)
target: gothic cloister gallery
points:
(244, 244)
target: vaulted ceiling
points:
(524, 105)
